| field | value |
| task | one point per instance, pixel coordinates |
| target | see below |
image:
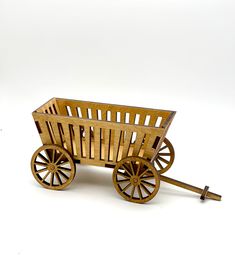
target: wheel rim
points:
(136, 179)
(53, 167)
(165, 158)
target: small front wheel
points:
(136, 179)
(53, 167)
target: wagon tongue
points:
(203, 192)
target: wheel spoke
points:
(63, 163)
(159, 164)
(48, 156)
(163, 160)
(123, 175)
(59, 158)
(138, 169)
(148, 184)
(145, 189)
(122, 180)
(162, 148)
(143, 173)
(164, 154)
(52, 179)
(132, 192)
(127, 186)
(63, 175)
(43, 158)
(132, 169)
(147, 177)
(41, 170)
(65, 169)
(47, 174)
(40, 163)
(53, 156)
(58, 178)
(140, 192)
(127, 170)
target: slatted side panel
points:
(96, 111)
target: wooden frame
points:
(104, 134)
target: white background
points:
(175, 55)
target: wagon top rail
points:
(105, 112)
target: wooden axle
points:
(204, 192)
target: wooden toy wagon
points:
(131, 140)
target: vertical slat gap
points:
(79, 112)
(147, 119)
(158, 122)
(55, 110)
(137, 118)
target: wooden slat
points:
(88, 141)
(113, 116)
(50, 130)
(84, 113)
(74, 111)
(107, 144)
(56, 131)
(132, 118)
(94, 114)
(153, 119)
(127, 141)
(142, 119)
(103, 115)
(113, 119)
(116, 144)
(97, 143)
(78, 140)
(67, 137)
(122, 118)
(138, 143)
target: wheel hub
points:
(135, 180)
(51, 167)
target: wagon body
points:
(129, 139)
(102, 134)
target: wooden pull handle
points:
(204, 193)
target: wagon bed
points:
(102, 134)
